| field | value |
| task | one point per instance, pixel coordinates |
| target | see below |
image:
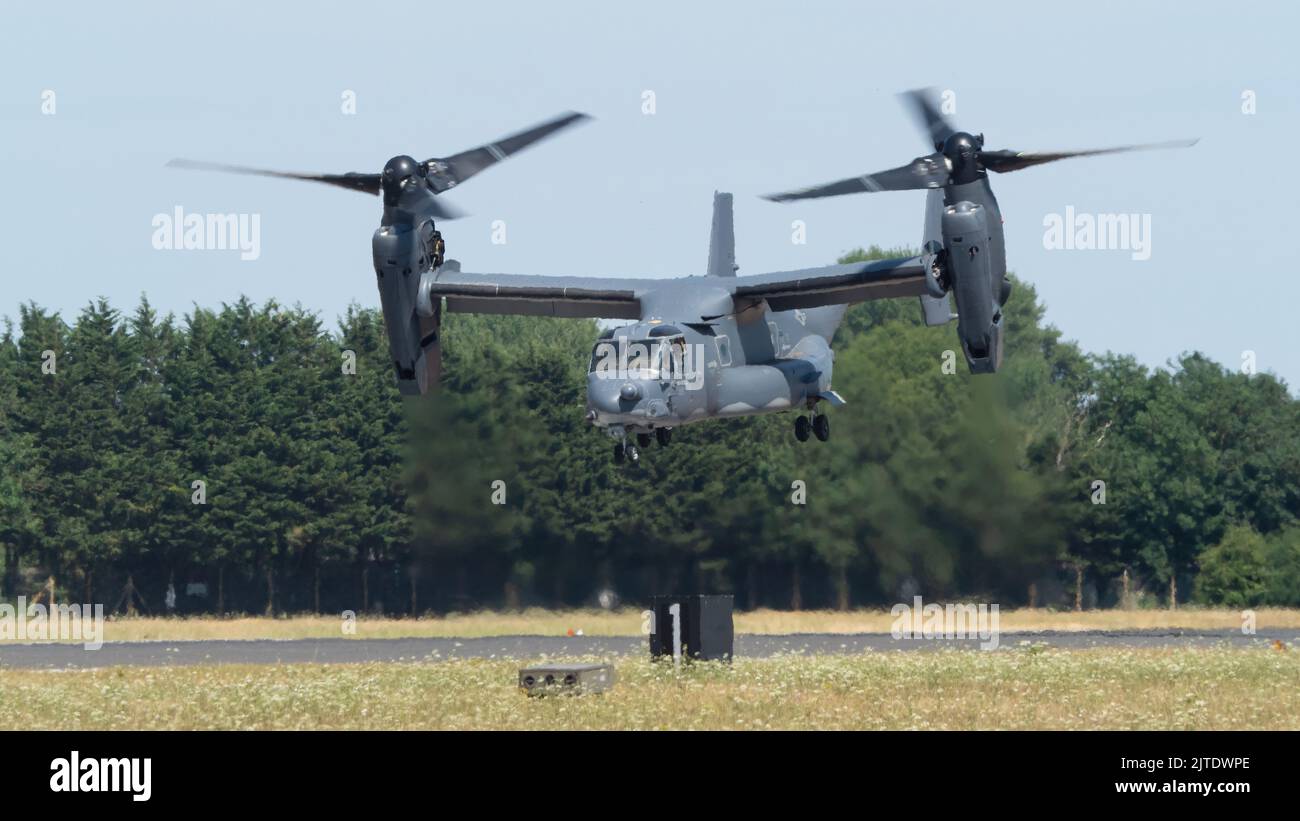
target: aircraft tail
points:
(722, 238)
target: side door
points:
(687, 391)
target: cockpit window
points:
(657, 358)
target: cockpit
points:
(657, 357)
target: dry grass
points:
(627, 622)
(1027, 688)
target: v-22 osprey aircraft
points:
(712, 346)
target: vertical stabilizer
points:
(722, 239)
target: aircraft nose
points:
(617, 397)
(604, 397)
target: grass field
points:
(1025, 688)
(627, 622)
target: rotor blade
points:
(439, 208)
(367, 183)
(445, 172)
(923, 172)
(935, 124)
(1003, 161)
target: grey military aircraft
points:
(711, 346)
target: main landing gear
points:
(818, 425)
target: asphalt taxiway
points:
(532, 648)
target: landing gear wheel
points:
(801, 428)
(633, 455)
(821, 426)
(643, 440)
(663, 436)
(619, 453)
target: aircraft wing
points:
(562, 296)
(834, 284)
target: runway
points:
(534, 648)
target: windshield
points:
(658, 358)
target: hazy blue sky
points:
(749, 98)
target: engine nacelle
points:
(402, 253)
(970, 273)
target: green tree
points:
(1234, 572)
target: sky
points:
(747, 97)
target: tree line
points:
(254, 460)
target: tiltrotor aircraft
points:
(711, 346)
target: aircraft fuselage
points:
(664, 373)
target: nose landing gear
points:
(626, 453)
(627, 445)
